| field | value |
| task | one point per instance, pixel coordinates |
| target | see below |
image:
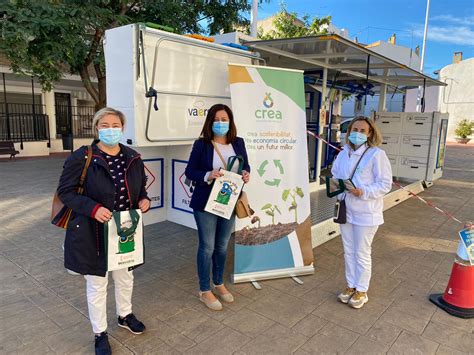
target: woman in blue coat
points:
(115, 181)
(214, 231)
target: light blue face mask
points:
(357, 138)
(220, 128)
(110, 136)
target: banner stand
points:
(272, 274)
(270, 115)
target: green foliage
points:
(464, 128)
(298, 191)
(48, 38)
(270, 210)
(287, 25)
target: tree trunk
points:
(89, 86)
(102, 86)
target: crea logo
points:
(267, 113)
(198, 110)
(267, 100)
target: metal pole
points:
(425, 35)
(9, 133)
(35, 126)
(383, 94)
(321, 126)
(253, 19)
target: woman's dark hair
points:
(207, 133)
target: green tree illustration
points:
(293, 193)
(270, 210)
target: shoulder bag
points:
(60, 213)
(340, 213)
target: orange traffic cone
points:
(458, 299)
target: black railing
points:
(23, 123)
(75, 121)
(82, 121)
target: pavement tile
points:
(167, 334)
(10, 343)
(309, 325)
(36, 347)
(204, 330)
(407, 321)
(445, 318)
(226, 341)
(316, 296)
(357, 320)
(418, 306)
(142, 344)
(444, 350)
(72, 339)
(409, 343)
(451, 337)
(248, 323)
(384, 332)
(282, 308)
(289, 286)
(276, 340)
(17, 308)
(365, 345)
(331, 339)
(186, 320)
(65, 316)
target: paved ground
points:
(43, 309)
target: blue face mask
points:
(220, 128)
(357, 138)
(110, 136)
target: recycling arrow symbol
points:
(275, 181)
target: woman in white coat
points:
(372, 177)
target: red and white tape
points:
(397, 184)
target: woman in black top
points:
(115, 181)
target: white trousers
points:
(357, 241)
(97, 297)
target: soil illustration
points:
(264, 235)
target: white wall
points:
(400, 54)
(458, 97)
(432, 96)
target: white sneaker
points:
(358, 299)
(346, 295)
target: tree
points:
(287, 25)
(47, 38)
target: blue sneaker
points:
(131, 323)
(102, 346)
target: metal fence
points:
(82, 121)
(23, 123)
(75, 121)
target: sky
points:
(450, 25)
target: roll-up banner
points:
(269, 111)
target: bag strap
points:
(84, 171)
(353, 172)
(125, 232)
(219, 153)
(231, 161)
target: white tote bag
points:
(224, 194)
(124, 240)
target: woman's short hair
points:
(374, 139)
(104, 112)
(207, 133)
